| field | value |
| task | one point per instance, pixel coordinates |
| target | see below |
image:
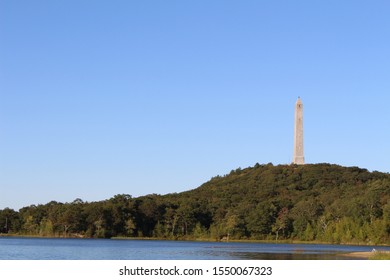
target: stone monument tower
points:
(298, 133)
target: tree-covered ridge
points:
(319, 202)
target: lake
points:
(20, 248)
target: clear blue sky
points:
(99, 98)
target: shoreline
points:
(358, 255)
(287, 241)
(372, 255)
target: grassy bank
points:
(380, 255)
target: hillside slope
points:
(319, 202)
(306, 202)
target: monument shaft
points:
(298, 134)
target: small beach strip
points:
(371, 255)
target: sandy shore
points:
(359, 255)
(364, 255)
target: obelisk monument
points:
(298, 133)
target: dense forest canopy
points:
(313, 202)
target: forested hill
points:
(320, 202)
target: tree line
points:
(319, 202)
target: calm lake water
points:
(15, 248)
